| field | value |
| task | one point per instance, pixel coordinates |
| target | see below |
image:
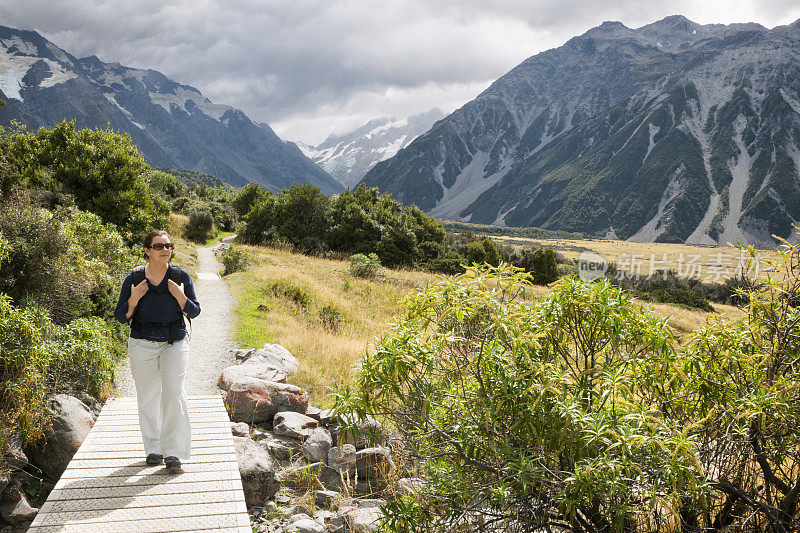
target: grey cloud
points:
(294, 58)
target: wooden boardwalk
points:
(109, 488)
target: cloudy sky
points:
(312, 67)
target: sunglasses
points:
(161, 245)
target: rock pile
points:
(302, 471)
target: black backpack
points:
(174, 273)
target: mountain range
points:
(173, 125)
(672, 132)
(350, 156)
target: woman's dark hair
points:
(148, 239)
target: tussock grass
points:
(320, 312)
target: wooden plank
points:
(109, 488)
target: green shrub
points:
(82, 356)
(290, 291)
(331, 317)
(200, 227)
(24, 362)
(235, 259)
(520, 419)
(364, 266)
(540, 263)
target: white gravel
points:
(210, 342)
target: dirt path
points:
(210, 343)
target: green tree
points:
(102, 170)
(247, 197)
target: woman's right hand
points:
(137, 291)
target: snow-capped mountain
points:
(350, 156)
(673, 132)
(173, 125)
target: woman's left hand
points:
(177, 292)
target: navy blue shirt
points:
(157, 305)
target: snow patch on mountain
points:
(348, 157)
(181, 96)
(12, 69)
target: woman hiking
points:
(155, 298)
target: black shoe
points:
(154, 459)
(173, 464)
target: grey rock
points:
(3, 483)
(13, 453)
(291, 424)
(243, 354)
(315, 476)
(72, 421)
(281, 448)
(255, 400)
(314, 412)
(232, 374)
(240, 429)
(259, 480)
(274, 355)
(363, 519)
(343, 459)
(324, 498)
(317, 446)
(306, 525)
(374, 463)
(17, 510)
(301, 508)
(408, 486)
(370, 502)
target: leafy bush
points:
(247, 197)
(68, 261)
(331, 317)
(515, 417)
(364, 266)
(200, 227)
(235, 259)
(541, 263)
(25, 361)
(82, 356)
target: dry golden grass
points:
(362, 310)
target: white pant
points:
(159, 369)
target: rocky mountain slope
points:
(671, 132)
(173, 125)
(350, 156)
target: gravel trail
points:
(210, 343)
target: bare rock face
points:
(255, 400)
(240, 429)
(374, 463)
(343, 458)
(15, 508)
(257, 471)
(72, 421)
(232, 374)
(317, 446)
(273, 355)
(292, 424)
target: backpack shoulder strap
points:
(138, 274)
(174, 273)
